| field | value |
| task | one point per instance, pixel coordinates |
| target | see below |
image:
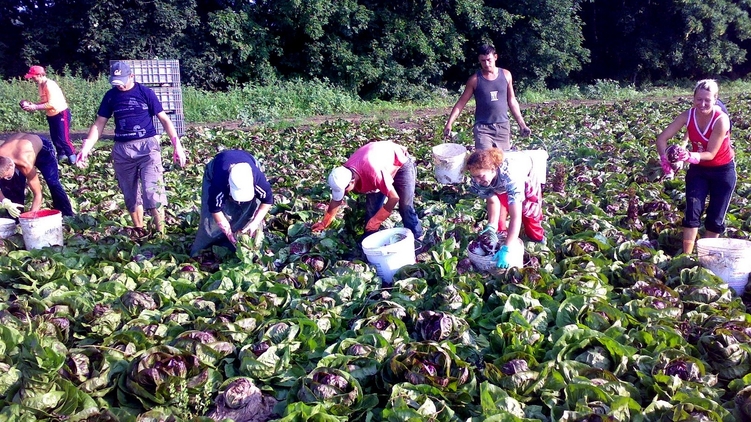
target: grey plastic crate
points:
(177, 120)
(171, 99)
(165, 73)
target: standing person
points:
(518, 174)
(494, 95)
(20, 157)
(493, 90)
(52, 101)
(235, 197)
(136, 153)
(712, 172)
(382, 170)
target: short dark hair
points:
(5, 164)
(486, 49)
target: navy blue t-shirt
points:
(133, 109)
(219, 188)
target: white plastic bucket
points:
(7, 227)
(729, 259)
(388, 250)
(487, 263)
(41, 228)
(448, 161)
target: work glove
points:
(667, 168)
(689, 157)
(375, 222)
(525, 131)
(531, 209)
(491, 232)
(11, 207)
(323, 224)
(178, 152)
(501, 257)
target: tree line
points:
(400, 49)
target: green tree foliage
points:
(388, 50)
(660, 39)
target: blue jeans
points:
(404, 184)
(716, 182)
(46, 162)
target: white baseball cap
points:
(339, 179)
(241, 186)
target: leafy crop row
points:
(604, 322)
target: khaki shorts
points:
(139, 172)
(496, 135)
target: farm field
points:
(604, 323)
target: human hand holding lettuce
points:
(11, 207)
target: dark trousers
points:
(60, 133)
(404, 184)
(46, 163)
(717, 183)
(14, 189)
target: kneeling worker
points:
(382, 170)
(235, 197)
(20, 157)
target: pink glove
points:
(667, 169)
(689, 157)
(375, 222)
(531, 209)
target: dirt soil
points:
(404, 120)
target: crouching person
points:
(22, 157)
(520, 175)
(384, 171)
(235, 198)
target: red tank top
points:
(700, 139)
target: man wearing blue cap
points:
(136, 154)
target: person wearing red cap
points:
(386, 173)
(52, 101)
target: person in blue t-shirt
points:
(136, 154)
(235, 198)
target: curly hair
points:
(485, 159)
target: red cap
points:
(35, 71)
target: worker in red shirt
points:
(383, 171)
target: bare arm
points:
(95, 131)
(515, 223)
(32, 179)
(673, 128)
(179, 151)
(469, 91)
(513, 105)
(224, 226)
(493, 206)
(255, 222)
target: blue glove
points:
(501, 257)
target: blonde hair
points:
(708, 85)
(486, 159)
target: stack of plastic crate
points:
(163, 77)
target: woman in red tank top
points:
(712, 171)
